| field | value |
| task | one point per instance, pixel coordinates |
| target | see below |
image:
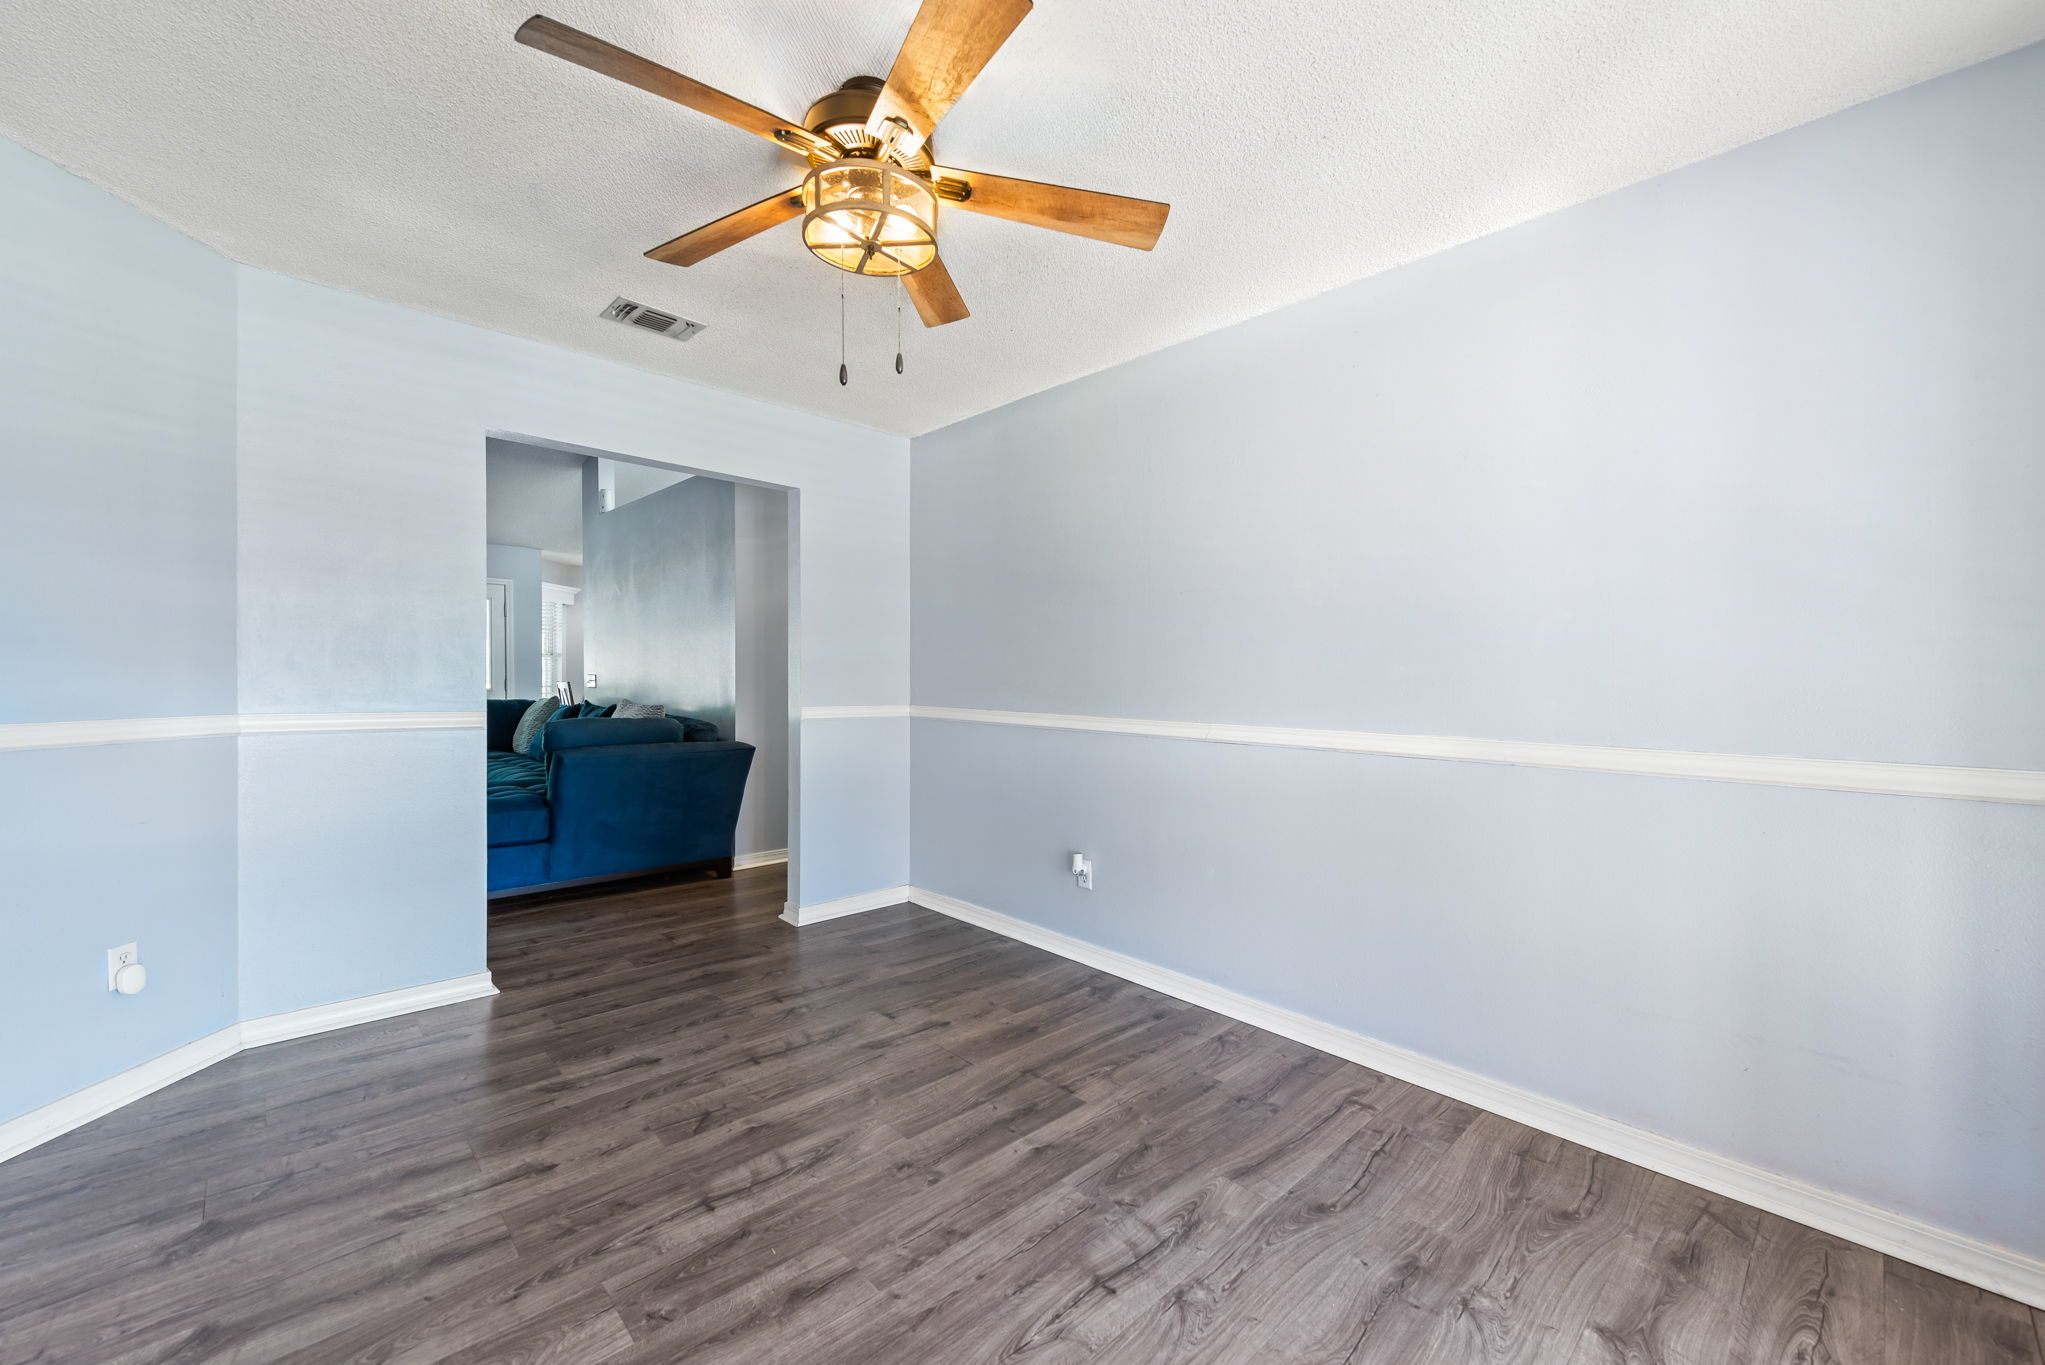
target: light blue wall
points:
(231, 492)
(362, 441)
(1744, 459)
(659, 597)
(1836, 986)
(855, 793)
(117, 451)
(362, 863)
(361, 559)
(351, 536)
(520, 567)
(104, 845)
(760, 543)
(397, 479)
(117, 546)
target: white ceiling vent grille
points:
(652, 319)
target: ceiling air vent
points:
(652, 319)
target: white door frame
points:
(497, 595)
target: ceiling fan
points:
(869, 202)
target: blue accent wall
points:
(659, 616)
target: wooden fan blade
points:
(936, 298)
(1087, 213)
(730, 230)
(607, 60)
(948, 44)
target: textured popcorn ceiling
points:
(409, 150)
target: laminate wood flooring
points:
(686, 1132)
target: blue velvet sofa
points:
(609, 798)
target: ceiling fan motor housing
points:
(841, 116)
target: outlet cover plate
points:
(118, 958)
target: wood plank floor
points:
(686, 1132)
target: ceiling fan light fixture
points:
(869, 203)
(869, 217)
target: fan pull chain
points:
(902, 282)
(844, 375)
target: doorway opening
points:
(641, 659)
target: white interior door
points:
(497, 635)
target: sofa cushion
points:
(638, 710)
(526, 739)
(516, 787)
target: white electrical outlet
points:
(1083, 871)
(127, 955)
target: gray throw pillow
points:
(635, 710)
(526, 738)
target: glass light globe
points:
(870, 217)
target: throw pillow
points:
(526, 738)
(634, 710)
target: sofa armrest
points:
(620, 808)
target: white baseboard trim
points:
(101, 1098)
(766, 857)
(53, 1120)
(363, 1009)
(67, 734)
(1992, 1267)
(2014, 786)
(845, 905)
